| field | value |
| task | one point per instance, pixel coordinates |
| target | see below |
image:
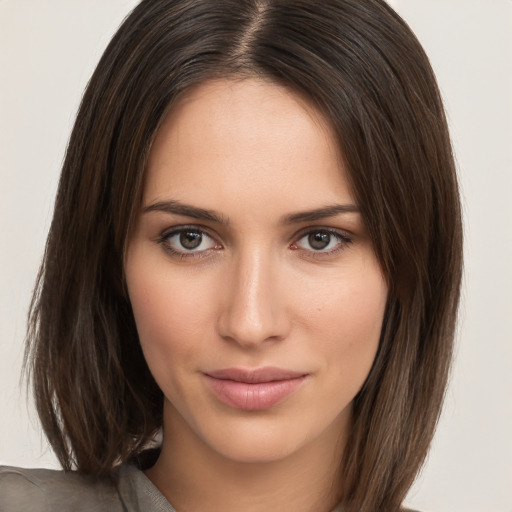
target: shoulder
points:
(45, 490)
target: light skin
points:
(250, 253)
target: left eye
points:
(189, 240)
(321, 240)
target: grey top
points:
(46, 490)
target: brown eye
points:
(322, 241)
(319, 240)
(190, 239)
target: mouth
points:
(254, 390)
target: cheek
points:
(346, 323)
(171, 317)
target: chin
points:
(271, 436)
(264, 448)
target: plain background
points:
(48, 49)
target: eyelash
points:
(343, 241)
(342, 238)
(167, 235)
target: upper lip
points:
(255, 376)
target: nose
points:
(253, 304)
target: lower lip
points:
(253, 397)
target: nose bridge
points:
(254, 310)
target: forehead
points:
(245, 139)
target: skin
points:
(254, 293)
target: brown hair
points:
(360, 64)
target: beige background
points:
(48, 49)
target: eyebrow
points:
(320, 213)
(178, 208)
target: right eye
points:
(188, 242)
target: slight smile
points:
(254, 390)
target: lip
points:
(254, 389)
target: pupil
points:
(319, 240)
(190, 239)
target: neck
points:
(195, 478)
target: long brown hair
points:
(363, 68)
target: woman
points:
(256, 252)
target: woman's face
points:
(257, 296)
